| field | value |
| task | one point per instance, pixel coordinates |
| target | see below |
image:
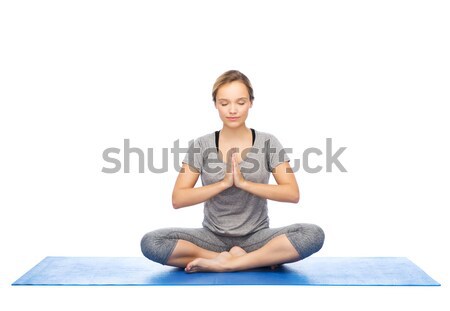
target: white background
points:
(78, 77)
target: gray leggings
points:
(158, 245)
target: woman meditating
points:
(234, 164)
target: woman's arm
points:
(286, 189)
(184, 194)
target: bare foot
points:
(237, 251)
(221, 263)
(217, 264)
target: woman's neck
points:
(231, 134)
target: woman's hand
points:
(233, 175)
(228, 179)
(238, 179)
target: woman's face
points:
(233, 103)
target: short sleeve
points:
(276, 153)
(193, 155)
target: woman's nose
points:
(233, 108)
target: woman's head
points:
(232, 76)
(233, 97)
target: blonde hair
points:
(231, 76)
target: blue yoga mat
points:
(139, 271)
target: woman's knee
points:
(318, 236)
(308, 239)
(156, 245)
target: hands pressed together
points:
(233, 176)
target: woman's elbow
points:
(180, 199)
(175, 202)
(295, 197)
(175, 205)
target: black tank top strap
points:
(253, 137)
(217, 140)
(217, 133)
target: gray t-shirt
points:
(235, 212)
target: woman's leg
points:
(185, 251)
(266, 247)
(277, 251)
(178, 246)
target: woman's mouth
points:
(232, 118)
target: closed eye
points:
(241, 103)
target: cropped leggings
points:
(158, 245)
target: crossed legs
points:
(277, 251)
(201, 250)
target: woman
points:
(235, 233)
